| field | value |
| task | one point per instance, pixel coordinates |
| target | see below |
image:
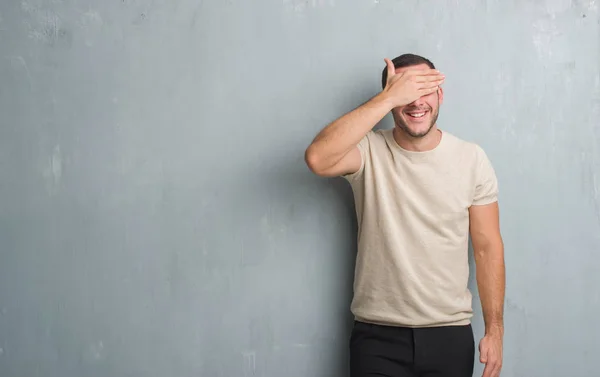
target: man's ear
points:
(440, 92)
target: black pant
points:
(386, 351)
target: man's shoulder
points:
(463, 147)
(375, 139)
(459, 141)
(379, 134)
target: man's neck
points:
(418, 144)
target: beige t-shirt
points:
(413, 229)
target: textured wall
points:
(156, 215)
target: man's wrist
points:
(385, 99)
(495, 329)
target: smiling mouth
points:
(416, 115)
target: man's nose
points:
(418, 102)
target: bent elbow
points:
(314, 161)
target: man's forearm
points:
(337, 138)
(491, 279)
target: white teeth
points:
(417, 115)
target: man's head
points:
(417, 118)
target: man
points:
(419, 192)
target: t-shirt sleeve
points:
(486, 182)
(363, 147)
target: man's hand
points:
(410, 85)
(490, 354)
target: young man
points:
(419, 192)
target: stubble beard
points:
(403, 126)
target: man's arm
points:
(334, 150)
(489, 259)
(488, 250)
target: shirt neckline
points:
(389, 134)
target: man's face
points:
(417, 118)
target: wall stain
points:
(54, 171)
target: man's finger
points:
(429, 76)
(483, 350)
(426, 91)
(496, 372)
(497, 368)
(487, 371)
(391, 70)
(431, 85)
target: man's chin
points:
(415, 131)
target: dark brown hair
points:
(405, 60)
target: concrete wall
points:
(156, 215)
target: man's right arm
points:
(334, 150)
